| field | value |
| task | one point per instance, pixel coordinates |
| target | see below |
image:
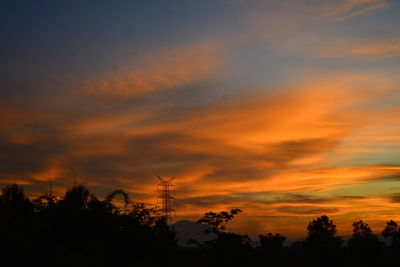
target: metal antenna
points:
(73, 172)
(50, 185)
(167, 201)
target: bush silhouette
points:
(80, 229)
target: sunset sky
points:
(286, 109)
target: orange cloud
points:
(258, 151)
(157, 72)
(375, 48)
(346, 9)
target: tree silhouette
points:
(15, 209)
(321, 228)
(218, 221)
(392, 231)
(227, 248)
(76, 198)
(16, 226)
(322, 242)
(80, 229)
(272, 244)
(364, 246)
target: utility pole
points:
(167, 200)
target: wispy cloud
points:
(156, 72)
(346, 9)
(206, 144)
(383, 48)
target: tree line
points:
(79, 229)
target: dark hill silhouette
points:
(186, 230)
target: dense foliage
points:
(79, 229)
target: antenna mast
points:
(167, 201)
(50, 185)
(73, 172)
